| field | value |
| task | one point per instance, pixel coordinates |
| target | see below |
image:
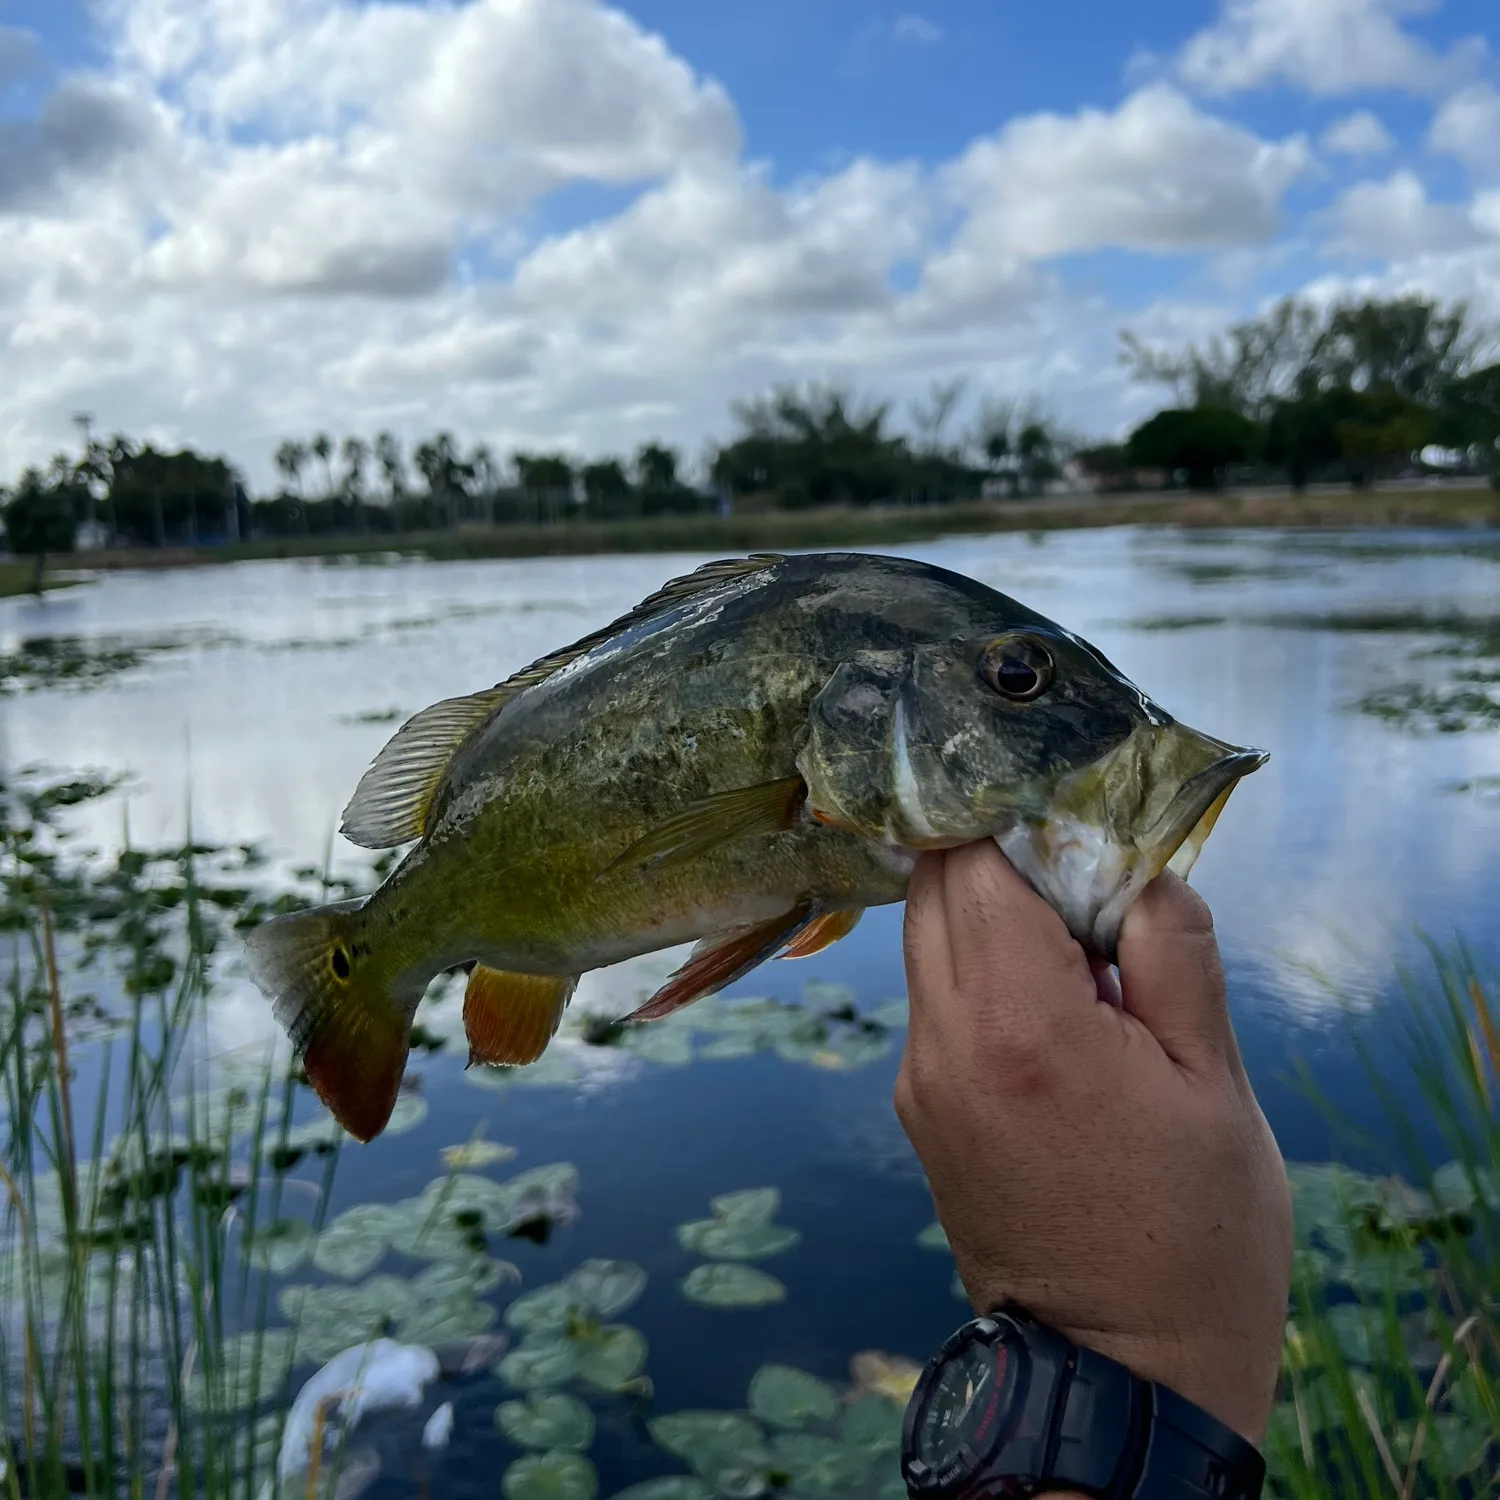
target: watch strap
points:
(1191, 1455)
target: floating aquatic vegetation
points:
(672, 1487)
(51, 662)
(551, 1476)
(548, 1420)
(280, 1246)
(934, 1237)
(731, 1285)
(372, 716)
(889, 1375)
(741, 1228)
(471, 1155)
(782, 1396)
(252, 1367)
(801, 1436)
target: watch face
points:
(964, 1415)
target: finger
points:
(1171, 977)
(1106, 982)
(1008, 944)
(929, 963)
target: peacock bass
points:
(748, 759)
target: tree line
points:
(1349, 393)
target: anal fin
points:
(510, 1018)
(770, 807)
(717, 962)
(822, 932)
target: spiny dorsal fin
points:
(395, 797)
(392, 801)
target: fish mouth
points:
(1178, 836)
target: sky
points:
(561, 223)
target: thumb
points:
(1171, 978)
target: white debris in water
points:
(377, 1376)
(439, 1427)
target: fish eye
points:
(1017, 668)
(341, 963)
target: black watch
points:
(1010, 1407)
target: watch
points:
(1010, 1407)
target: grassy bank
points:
(836, 527)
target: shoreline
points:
(1427, 506)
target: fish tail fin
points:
(336, 1004)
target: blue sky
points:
(219, 220)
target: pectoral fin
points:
(510, 1018)
(822, 932)
(717, 962)
(771, 807)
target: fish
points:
(747, 760)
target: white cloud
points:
(1155, 175)
(917, 29)
(1326, 47)
(1468, 126)
(1395, 220)
(1359, 134)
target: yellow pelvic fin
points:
(823, 932)
(393, 802)
(510, 1018)
(711, 822)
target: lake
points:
(245, 702)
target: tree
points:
(321, 448)
(356, 456)
(445, 473)
(1198, 442)
(1021, 443)
(546, 480)
(607, 490)
(40, 518)
(656, 467)
(393, 468)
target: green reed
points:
(134, 1327)
(1391, 1372)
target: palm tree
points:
(393, 467)
(356, 454)
(321, 449)
(290, 457)
(486, 474)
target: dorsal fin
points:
(391, 803)
(394, 799)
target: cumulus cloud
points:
(1467, 126)
(1395, 220)
(1327, 47)
(81, 129)
(1359, 134)
(1156, 174)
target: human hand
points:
(1106, 1166)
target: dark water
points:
(254, 696)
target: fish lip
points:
(1194, 798)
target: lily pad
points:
(539, 1363)
(671, 1487)
(554, 1179)
(410, 1111)
(445, 1280)
(693, 1434)
(659, 1044)
(1460, 1189)
(355, 1242)
(249, 1369)
(934, 1237)
(730, 1048)
(786, 1397)
(872, 1424)
(718, 1239)
(752, 1206)
(817, 1465)
(607, 1287)
(551, 1476)
(548, 1420)
(719, 1285)
(446, 1322)
(330, 1319)
(279, 1247)
(892, 1013)
(610, 1356)
(545, 1310)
